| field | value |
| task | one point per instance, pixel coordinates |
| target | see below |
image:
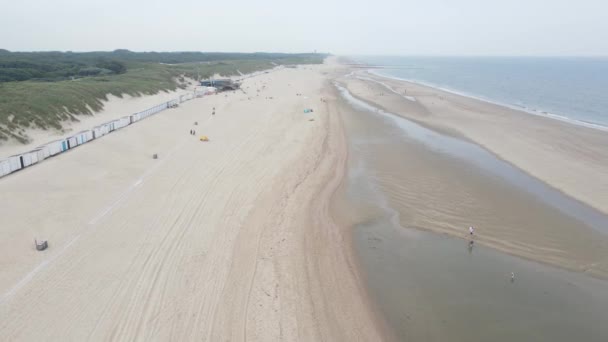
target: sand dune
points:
(226, 240)
(114, 108)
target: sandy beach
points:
(257, 234)
(431, 171)
(230, 239)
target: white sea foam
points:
(520, 108)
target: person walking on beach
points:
(471, 231)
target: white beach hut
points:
(135, 117)
(29, 158)
(26, 160)
(5, 167)
(84, 136)
(45, 150)
(41, 153)
(33, 156)
(99, 131)
(172, 103)
(72, 142)
(56, 147)
(122, 122)
(15, 163)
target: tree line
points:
(57, 66)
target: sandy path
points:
(226, 240)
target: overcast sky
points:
(398, 27)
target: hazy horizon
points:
(388, 27)
(599, 56)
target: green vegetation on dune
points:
(46, 104)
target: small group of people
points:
(192, 132)
(472, 243)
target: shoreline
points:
(532, 143)
(341, 213)
(466, 139)
(529, 238)
(330, 210)
(531, 111)
(410, 207)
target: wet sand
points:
(570, 158)
(434, 287)
(522, 215)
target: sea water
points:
(570, 89)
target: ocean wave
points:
(520, 107)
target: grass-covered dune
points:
(58, 86)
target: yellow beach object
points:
(204, 138)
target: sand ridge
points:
(568, 157)
(436, 193)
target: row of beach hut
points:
(37, 155)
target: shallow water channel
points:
(433, 287)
